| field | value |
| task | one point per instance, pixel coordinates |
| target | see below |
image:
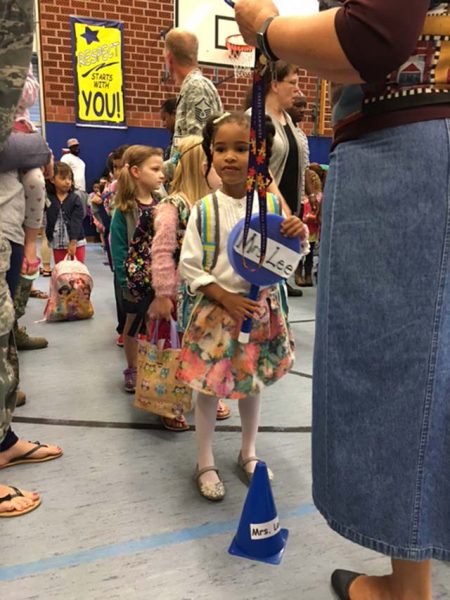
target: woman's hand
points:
(239, 307)
(251, 14)
(293, 227)
(161, 308)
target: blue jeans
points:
(381, 399)
(13, 275)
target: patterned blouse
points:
(407, 75)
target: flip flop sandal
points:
(46, 272)
(39, 294)
(171, 424)
(223, 412)
(27, 458)
(17, 513)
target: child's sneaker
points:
(119, 340)
(130, 380)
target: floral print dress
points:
(212, 360)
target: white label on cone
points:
(261, 531)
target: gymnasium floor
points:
(121, 517)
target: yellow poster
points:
(98, 67)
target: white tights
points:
(205, 423)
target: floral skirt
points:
(212, 360)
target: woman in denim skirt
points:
(381, 418)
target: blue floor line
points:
(133, 547)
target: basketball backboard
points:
(213, 21)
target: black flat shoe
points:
(294, 292)
(341, 581)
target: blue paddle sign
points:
(281, 259)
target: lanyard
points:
(258, 171)
(257, 177)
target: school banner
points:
(97, 48)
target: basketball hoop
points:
(241, 54)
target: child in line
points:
(106, 209)
(140, 178)
(94, 203)
(311, 218)
(212, 361)
(65, 216)
(171, 216)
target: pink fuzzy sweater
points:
(165, 278)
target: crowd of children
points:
(152, 231)
(153, 235)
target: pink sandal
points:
(175, 424)
(223, 411)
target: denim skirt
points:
(381, 400)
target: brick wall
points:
(144, 90)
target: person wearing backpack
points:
(171, 216)
(211, 361)
(135, 200)
(65, 215)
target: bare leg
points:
(408, 581)
(249, 410)
(205, 423)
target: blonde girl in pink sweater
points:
(189, 184)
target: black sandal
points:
(27, 458)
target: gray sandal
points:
(242, 463)
(211, 491)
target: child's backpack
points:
(70, 292)
(138, 265)
(139, 261)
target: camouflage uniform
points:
(16, 43)
(197, 101)
(21, 296)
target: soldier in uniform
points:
(16, 42)
(198, 98)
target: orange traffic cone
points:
(259, 536)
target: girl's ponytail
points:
(134, 156)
